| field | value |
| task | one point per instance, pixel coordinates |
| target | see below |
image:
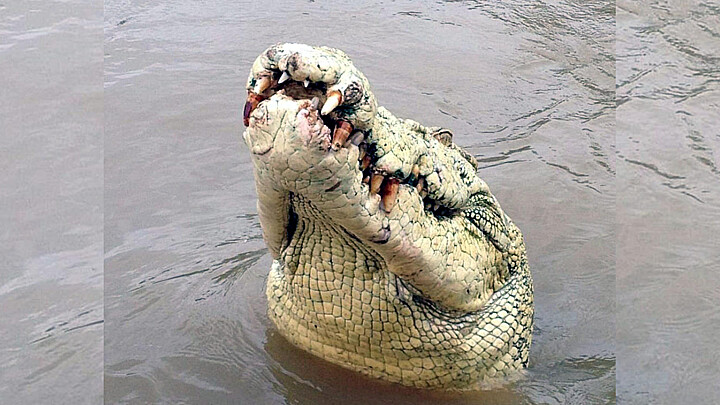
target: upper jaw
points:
(322, 128)
(303, 71)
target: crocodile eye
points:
(271, 53)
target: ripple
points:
(536, 92)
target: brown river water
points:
(132, 264)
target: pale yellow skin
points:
(406, 296)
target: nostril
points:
(353, 93)
(294, 61)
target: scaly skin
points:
(425, 285)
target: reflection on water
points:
(313, 382)
(529, 87)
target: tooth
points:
(334, 99)
(252, 102)
(342, 131)
(246, 113)
(361, 153)
(365, 162)
(389, 193)
(262, 84)
(357, 138)
(306, 82)
(285, 76)
(376, 180)
(420, 185)
(366, 179)
(315, 103)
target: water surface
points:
(668, 265)
(51, 202)
(147, 167)
(528, 88)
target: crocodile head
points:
(391, 256)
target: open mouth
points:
(276, 82)
(319, 103)
(384, 219)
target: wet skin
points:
(391, 257)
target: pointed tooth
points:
(334, 99)
(246, 112)
(252, 102)
(420, 186)
(376, 180)
(366, 179)
(341, 133)
(361, 152)
(285, 76)
(306, 83)
(389, 193)
(315, 102)
(414, 177)
(262, 84)
(365, 162)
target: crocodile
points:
(391, 257)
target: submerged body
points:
(391, 257)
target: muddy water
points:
(668, 257)
(529, 88)
(51, 224)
